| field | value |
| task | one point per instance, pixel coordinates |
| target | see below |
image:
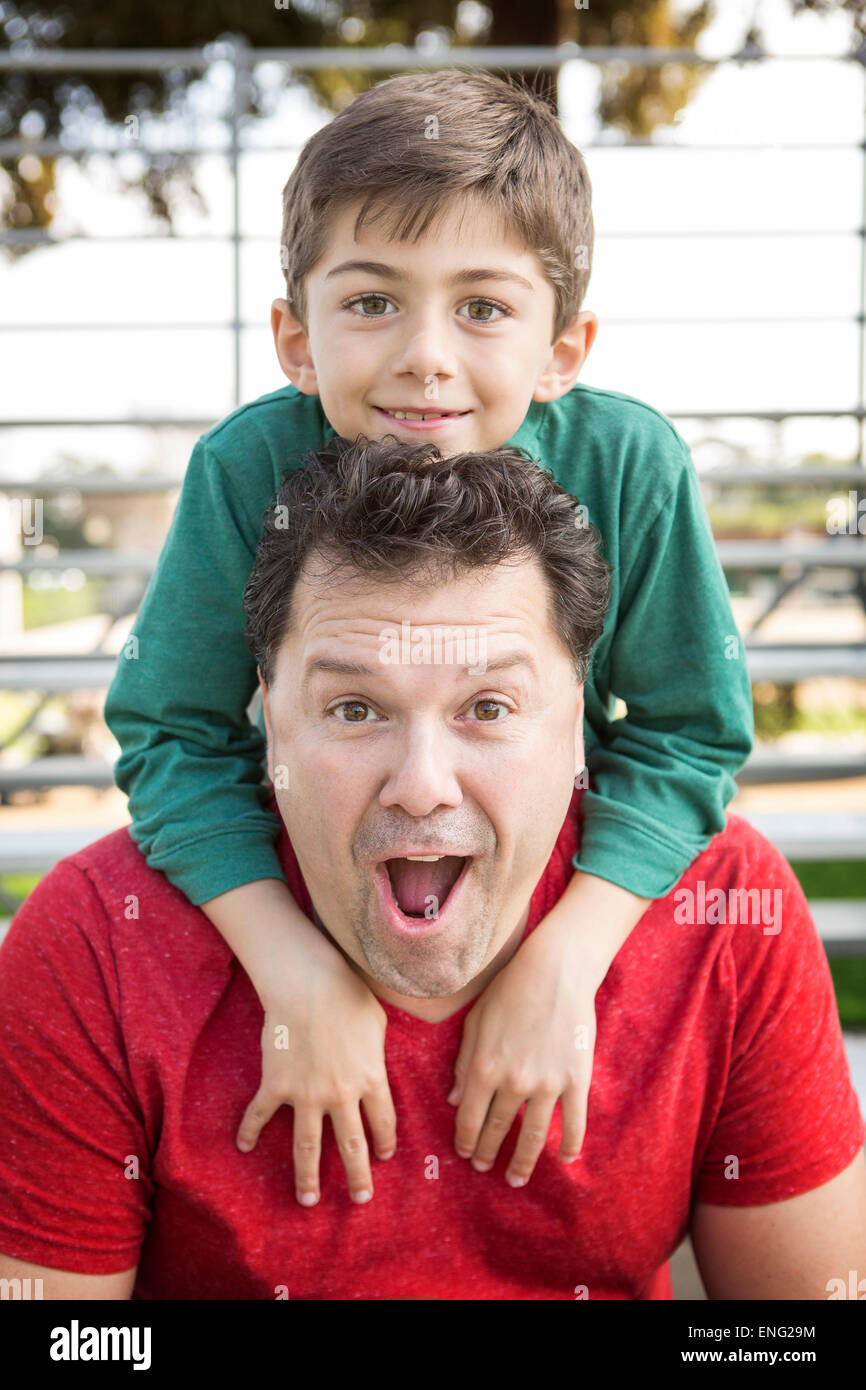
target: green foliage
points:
(636, 100)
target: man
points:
(429, 821)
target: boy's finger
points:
(470, 1116)
(306, 1153)
(500, 1118)
(533, 1133)
(574, 1105)
(352, 1144)
(464, 1056)
(260, 1109)
(382, 1119)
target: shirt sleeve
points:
(661, 777)
(70, 1126)
(790, 1119)
(191, 761)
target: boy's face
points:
(460, 320)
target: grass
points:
(831, 878)
(43, 606)
(840, 878)
(849, 979)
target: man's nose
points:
(422, 775)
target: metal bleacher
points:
(827, 835)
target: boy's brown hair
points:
(398, 512)
(410, 145)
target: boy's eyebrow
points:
(460, 277)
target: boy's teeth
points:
(417, 415)
(425, 858)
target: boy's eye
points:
(368, 299)
(357, 711)
(485, 305)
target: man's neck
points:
(437, 1009)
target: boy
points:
(435, 198)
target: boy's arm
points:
(190, 759)
(310, 1061)
(660, 778)
(531, 1036)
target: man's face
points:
(460, 320)
(384, 759)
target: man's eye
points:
(487, 705)
(501, 309)
(368, 299)
(357, 711)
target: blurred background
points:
(143, 150)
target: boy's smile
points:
(454, 327)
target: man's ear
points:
(579, 751)
(266, 712)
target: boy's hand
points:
(530, 1037)
(323, 1053)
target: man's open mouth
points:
(417, 889)
(417, 880)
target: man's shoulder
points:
(285, 423)
(115, 862)
(743, 849)
(104, 895)
(743, 887)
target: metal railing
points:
(94, 667)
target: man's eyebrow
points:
(460, 277)
(334, 667)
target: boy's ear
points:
(293, 348)
(567, 356)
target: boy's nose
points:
(427, 351)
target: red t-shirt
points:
(130, 1042)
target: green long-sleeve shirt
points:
(191, 760)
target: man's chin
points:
(424, 969)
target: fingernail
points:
(362, 1196)
(308, 1199)
(454, 1096)
(480, 1166)
(514, 1181)
(464, 1153)
(389, 1153)
(244, 1145)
